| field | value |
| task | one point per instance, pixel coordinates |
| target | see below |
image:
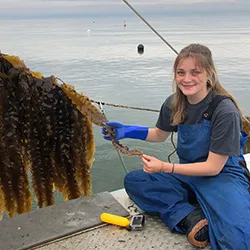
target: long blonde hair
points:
(203, 58)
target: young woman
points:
(205, 195)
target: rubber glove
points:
(126, 131)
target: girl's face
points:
(191, 80)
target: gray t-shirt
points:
(225, 123)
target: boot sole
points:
(191, 235)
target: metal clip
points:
(101, 107)
(136, 223)
(133, 209)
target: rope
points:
(169, 45)
(119, 154)
(138, 108)
(124, 106)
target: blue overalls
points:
(224, 198)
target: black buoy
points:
(140, 49)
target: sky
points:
(77, 8)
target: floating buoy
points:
(140, 49)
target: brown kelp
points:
(246, 127)
(46, 131)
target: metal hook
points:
(101, 107)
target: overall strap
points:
(213, 105)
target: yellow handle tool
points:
(115, 219)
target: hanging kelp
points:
(246, 128)
(45, 129)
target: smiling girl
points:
(205, 195)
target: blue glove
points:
(126, 131)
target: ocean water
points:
(99, 57)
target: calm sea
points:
(99, 57)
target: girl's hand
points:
(151, 164)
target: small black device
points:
(137, 222)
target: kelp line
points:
(45, 128)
